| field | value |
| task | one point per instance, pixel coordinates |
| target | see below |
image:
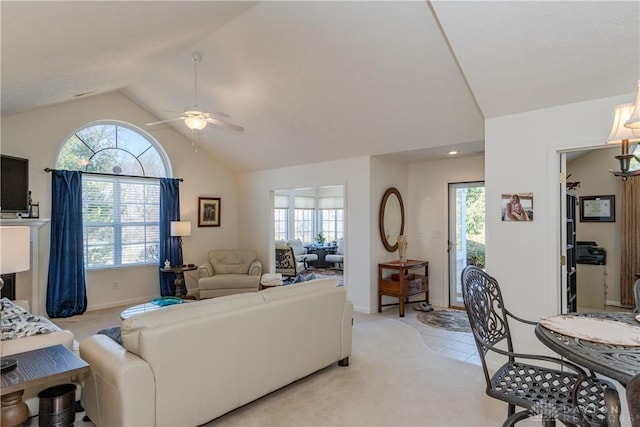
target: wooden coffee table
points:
(35, 368)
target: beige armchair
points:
(229, 271)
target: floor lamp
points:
(180, 229)
(14, 257)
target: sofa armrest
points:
(119, 389)
(206, 270)
(255, 269)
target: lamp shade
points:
(180, 228)
(14, 249)
(619, 131)
(634, 119)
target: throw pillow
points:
(114, 333)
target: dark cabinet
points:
(572, 254)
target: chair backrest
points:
(636, 294)
(340, 246)
(486, 311)
(285, 260)
(298, 246)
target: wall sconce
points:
(634, 120)
(180, 229)
(622, 134)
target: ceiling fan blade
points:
(224, 124)
(165, 121)
(219, 115)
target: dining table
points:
(607, 343)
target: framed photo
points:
(208, 212)
(517, 207)
(598, 208)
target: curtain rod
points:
(112, 174)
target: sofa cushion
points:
(133, 327)
(311, 286)
(231, 261)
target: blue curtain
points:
(66, 290)
(169, 246)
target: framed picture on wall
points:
(598, 208)
(208, 212)
(517, 207)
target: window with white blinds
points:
(120, 221)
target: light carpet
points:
(393, 379)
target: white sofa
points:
(229, 271)
(33, 342)
(189, 363)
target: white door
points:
(466, 233)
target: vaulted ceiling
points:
(315, 81)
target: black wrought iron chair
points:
(568, 394)
(286, 263)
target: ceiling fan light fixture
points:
(195, 122)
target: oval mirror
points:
(391, 219)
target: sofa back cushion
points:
(231, 261)
(134, 327)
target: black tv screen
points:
(14, 184)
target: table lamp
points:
(179, 229)
(14, 257)
(14, 250)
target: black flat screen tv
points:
(14, 184)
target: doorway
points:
(466, 240)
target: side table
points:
(402, 284)
(179, 281)
(35, 367)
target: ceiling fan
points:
(196, 119)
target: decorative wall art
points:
(208, 212)
(517, 207)
(598, 208)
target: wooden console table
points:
(406, 284)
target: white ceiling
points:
(315, 81)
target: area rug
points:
(452, 320)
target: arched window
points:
(120, 207)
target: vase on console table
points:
(402, 248)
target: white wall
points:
(38, 135)
(257, 219)
(521, 156)
(592, 171)
(384, 174)
(428, 201)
